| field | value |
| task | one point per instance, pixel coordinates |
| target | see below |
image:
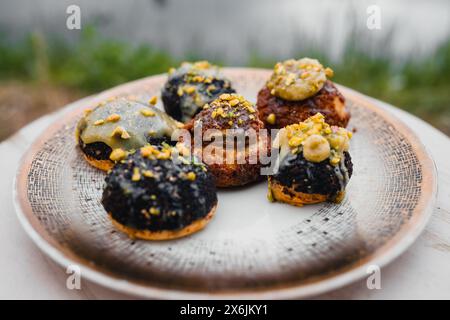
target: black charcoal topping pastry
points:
(314, 157)
(314, 177)
(190, 87)
(152, 190)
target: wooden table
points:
(422, 272)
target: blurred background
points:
(44, 65)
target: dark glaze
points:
(179, 201)
(290, 112)
(314, 178)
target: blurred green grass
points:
(418, 85)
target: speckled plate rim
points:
(317, 285)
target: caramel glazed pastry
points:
(159, 194)
(314, 163)
(231, 111)
(120, 125)
(297, 90)
(190, 87)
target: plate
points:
(252, 248)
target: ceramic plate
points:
(252, 248)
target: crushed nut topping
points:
(191, 176)
(136, 175)
(153, 100)
(148, 174)
(147, 113)
(316, 139)
(120, 132)
(154, 211)
(117, 154)
(152, 152)
(233, 107)
(113, 118)
(271, 118)
(298, 79)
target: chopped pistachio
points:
(117, 154)
(154, 211)
(136, 175)
(295, 141)
(329, 72)
(125, 135)
(189, 89)
(120, 132)
(271, 118)
(153, 100)
(147, 113)
(251, 109)
(234, 102)
(198, 79)
(148, 174)
(191, 176)
(335, 160)
(164, 155)
(225, 96)
(147, 151)
(113, 118)
(202, 64)
(220, 112)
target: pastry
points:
(159, 194)
(314, 163)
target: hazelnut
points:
(316, 148)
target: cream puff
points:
(159, 194)
(314, 163)
(107, 133)
(298, 89)
(190, 87)
(231, 163)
